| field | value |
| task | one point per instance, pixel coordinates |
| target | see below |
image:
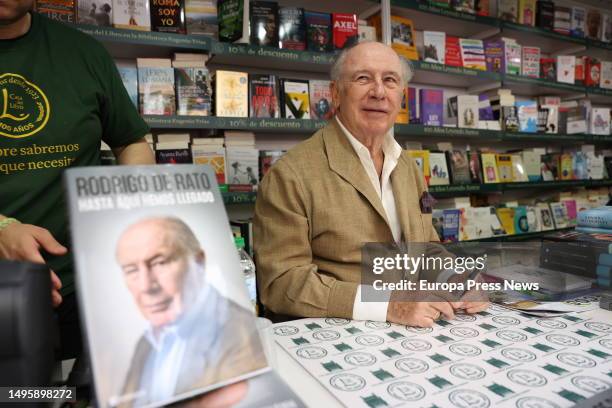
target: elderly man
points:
(196, 337)
(347, 185)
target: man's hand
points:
(421, 313)
(474, 300)
(23, 242)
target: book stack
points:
(242, 161)
(173, 148)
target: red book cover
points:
(593, 71)
(345, 30)
(579, 73)
(453, 52)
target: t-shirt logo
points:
(24, 108)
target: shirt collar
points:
(390, 147)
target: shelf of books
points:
(270, 125)
(463, 189)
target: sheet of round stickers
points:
(496, 358)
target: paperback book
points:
(319, 31)
(242, 166)
(214, 156)
(129, 76)
(156, 86)
(527, 12)
(512, 53)
(403, 38)
(438, 169)
(548, 67)
(472, 54)
(578, 22)
(459, 167)
(507, 10)
(431, 109)
(527, 116)
(193, 91)
(434, 48)
(201, 17)
(132, 14)
(566, 68)
(91, 12)
(60, 10)
(467, 111)
(321, 106)
(494, 56)
(531, 62)
(452, 54)
(168, 16)
(291, 28)
(264, 23)
(231, 20)
(344, 29)
(489, 168)
(231, 94)
(263, 96)
(295, 99)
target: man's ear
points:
(335, 92)
(200, 257)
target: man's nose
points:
(147, 282)
(377, 90)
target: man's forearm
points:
(138, 152)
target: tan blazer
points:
(314, 211)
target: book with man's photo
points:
(161, 291)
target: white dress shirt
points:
(377, 311)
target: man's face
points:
(369, 93)
(13, 10)
(154, 271)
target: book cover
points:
(344, 29)
(545, 218)
(521, 223)
(431, 108)
(170, 155)
(576, 120)
(193, 91)
(168, 16)
(509, 119)
(549, 166)
(201, 17)
(413, 105)
(559, 215)
(403, 115)
(459, 167)
(532, 219)
(595, 168)
(548, 69)
(472, 54)
(578, 22)
(156, 87)
(580, 166)
(475, 167)
(570, 209)
(606, 28)
(169, 229)
(494, 56)
(321, 106)
(291, 28)
(132, 14)
(267, 158)
(579, 72)
(452, 54)
(467, 111)
(593, 72)
(605, 76)
(566, 167)
(451, 111)
(566, 68)
(129, 77)
(366, 32)
(437, 220)
(519, 173)
(512, 54)
(264, 23)
(91, 12)
(485, 111)
(507, 10)
(531, 62)
(214, 156)
(421, 158)
(464, 6)
(506, 219)
(600, 121)
(545, 15)
(489, 168)
(593, 24)
(242, 166)
(263, 96)
(527, 12)
(403, 38)
(231, 94)
(60, 10)
(439, 175)
(230, 17)
(450, 228)
(319, 31)
(562, 21)
(531, 165)
(295, 99)
(504, 167)
(527, 116)
(600, 217)
(434, 46)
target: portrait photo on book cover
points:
(167, 313)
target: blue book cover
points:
(527, 116)
(521, 225)
(596, 218)
(129, 77)
(450, 228)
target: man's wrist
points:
(6, 221)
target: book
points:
(531, 165)
(295, 102)
(600, 217)
(606, 28)
(168, 16)
(489, 168)
(549, 166)
(132, 14)
(580, 166)
(527, 116)
(413, 105)
(519, 173)
(366, 32)
(531, 62)
(402, 114)
(212, 155)
(263, 96)
(507, 10)
(156, 86)
(545, 14)
(566, 167)
(188, 214)
(437, 220)
(464, 6)
(129, 76)
(578, 21)
(566, 68)
(438, 169)
(475, 167)
(592, 72)
(467, 111)
(545, 218)
(600, 121)
(434, 46)
(344, 29)
(459, 167)
(509, 119)
(512, 54)
(450, 227)
(231, 20)
(267, 158)
(201, 17)
(264, 23)
(60, 10)
(521, 222)
(576, 120)
(431, 106)
(231, 94)
(403, 39)
(593, 24)
(193, 91)
(559, 215)
(579, 72)
(527, 12)
(318, 31)
(472, 54)
(173, 153)
(504, 167)
(321, 106)
(485, 111)
(570, 209)
(605, 76)
(242, 166)
(506, 219)
(494, 56)
(562, 20)
(91, 12)
(548, 69)
(421, 158)
(452, 53)
(291, 28)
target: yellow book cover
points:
(489, 168)
(527, 12)
(506, 219)
(566, 167)
(403, 39)
(504, 168)
(232, 94)
(403, 114)
(422, 159)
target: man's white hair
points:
(337, 68)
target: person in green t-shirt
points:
(60, 96)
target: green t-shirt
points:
(60, 94)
